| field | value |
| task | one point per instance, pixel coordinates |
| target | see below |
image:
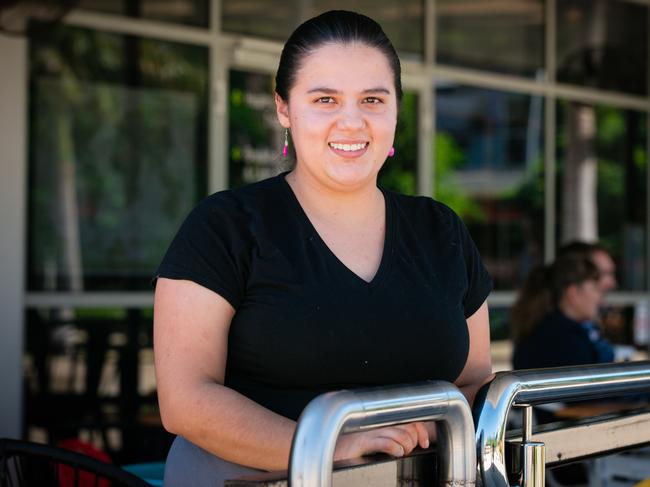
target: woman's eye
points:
(325, 99)
(373, 100)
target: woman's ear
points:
(282, 111)
(572, 293)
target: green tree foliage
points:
(449, 156)
(128, 116)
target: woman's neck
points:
(569, 311)
(328, 203)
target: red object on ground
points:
(85, 479)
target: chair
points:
(24, 463)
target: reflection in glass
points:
(117, 151)
(188, 12)
(402, 21)
(627, 327)
(92, 370)
(399, 172)
(507, 37)
(500, 323)
(261, 18)
(256, 137)
(602, 184)
(276, 20)
(603, 43)
(490, 170)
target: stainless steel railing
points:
(527, 387)
(334, 413)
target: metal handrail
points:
(330, 414)
(539, 386)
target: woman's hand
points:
(394, 440)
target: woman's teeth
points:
(348, 147)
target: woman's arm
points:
(478, 368)
(191, 325)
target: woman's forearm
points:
(230, 426)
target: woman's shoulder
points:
(423, 207)
(559, 320)
(238, 202)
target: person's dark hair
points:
(544, 288)
(335, 26)
(579, 247)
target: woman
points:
(316, 279)
(553, 318)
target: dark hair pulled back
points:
(543, 289)
(335, 26)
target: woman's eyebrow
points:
(332, 91)
(322, 89)
(379, 89)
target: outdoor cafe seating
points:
(478, 447)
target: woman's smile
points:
(349, 149)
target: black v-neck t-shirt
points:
(304, 322)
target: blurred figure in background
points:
(553, 319)
(555, 322)
(601, 258)
(611, 320)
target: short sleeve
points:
(211, 249)
(479, 281)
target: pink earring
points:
(391, 152)
(285, 149)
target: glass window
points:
(490, 170)
(91, 370)
(507, 37)
(260, 18)
(604, 44)
(189, 12)
(399, 172)
(402, 22)
(500, 324)
(276, 20)
(500, 341)
(256, 137)
(601, 184)
(117, 156)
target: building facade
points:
(528, 117)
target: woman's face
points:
(588, 296)
(342, 112)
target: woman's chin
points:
(351, 175)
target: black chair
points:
(23, 463)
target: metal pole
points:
(529, 456)
(330, 414)
(543, 386)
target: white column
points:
(13, 168)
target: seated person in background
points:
(601, 258)
(553, 317)
(552, 325)
(611, 319)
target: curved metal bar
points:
(324, 418)
(540, 386)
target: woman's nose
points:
(351, 118)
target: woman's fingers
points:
(397, 441)
(408, 436)
(423, 434)
(404, 435)
(385, 444)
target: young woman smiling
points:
(316, 279)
